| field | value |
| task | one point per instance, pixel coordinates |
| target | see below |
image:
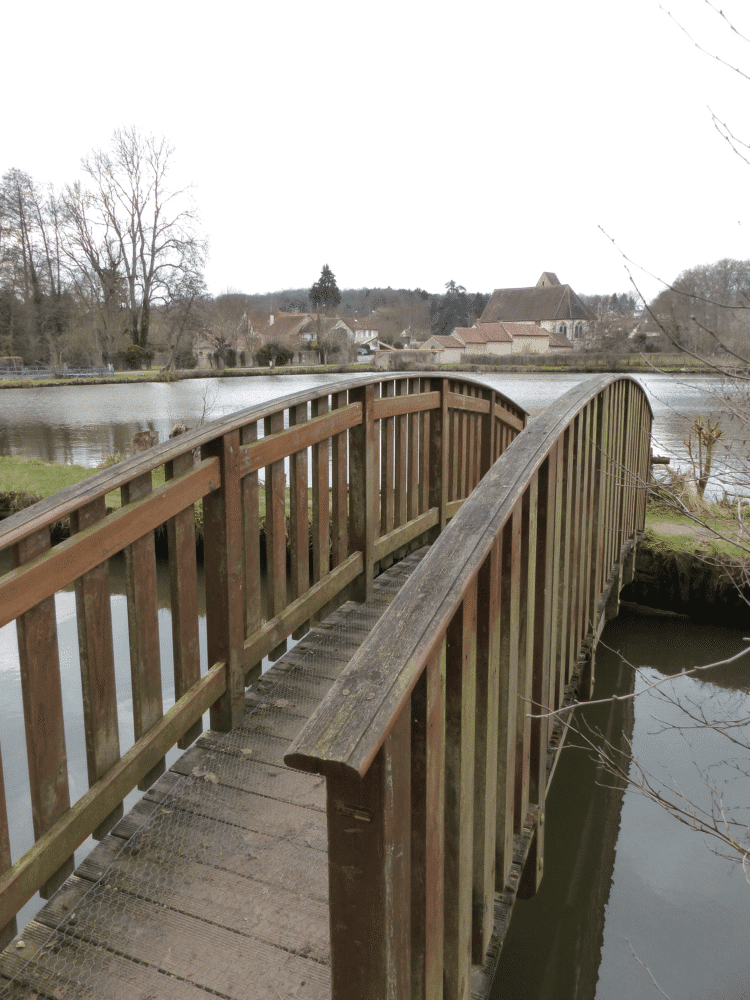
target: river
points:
(621, 877)
(81, 425)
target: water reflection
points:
(82, 424)
(620, 872)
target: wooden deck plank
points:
(217, 879)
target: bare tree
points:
(125, 218)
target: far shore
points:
(627, 365)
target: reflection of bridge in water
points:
(412, 699)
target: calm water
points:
(617, 869)
(81, 424)
(621, 876)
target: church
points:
(553, 306)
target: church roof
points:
(535, 304)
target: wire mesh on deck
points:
(221, 885)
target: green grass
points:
(24, 481)
(692, 538)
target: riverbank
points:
(630, 364)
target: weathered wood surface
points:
(510, 538)
(217, 879)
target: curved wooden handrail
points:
(433, 740)
(347, 732)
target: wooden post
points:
(485, 766)
(97, 660)
(321, 561)
(251, 540)
(461, 654)
(143, 627)
(275, 532)
(508, 701)
(363, 512)
(183, 582)
(387, 458)
(299, 532)
(400, 485)
(42, 709)
(369, 835)
(541, 667)
(225, 599)
(439, 435)
(412, 508)
(339, 500)
(428, 830)
(487, 435)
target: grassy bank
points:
(713, 530)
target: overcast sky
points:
(406, 143)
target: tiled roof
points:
(559, 340)
(524, 330)
(554, 302)
(448, 341)
(470, 335)
(495, 333)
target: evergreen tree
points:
(325, 292)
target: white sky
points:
(405, 143)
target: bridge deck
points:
(216, 882)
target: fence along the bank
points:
(374, 465)
(431, 757)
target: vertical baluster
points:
(486, 430)
(225, 598)
(10, 930)
(463, 455)
(439, 447)
(363, 499)
(251, 548)
(566, 553)
(97, 664)
(387, 448)
(454, 459)
(42, 708)
(276, 532)
(412, 506)
(424, 455)
(400, 460)
(460, 717)
(600, 491)
(527, 584)
(369, 834)
(556, 632)
(576, 553)
(485, 768)
(508, 700)
(183, 583)
(299, 530)
(339, 513)
(477, 421)
(542, 686)
(143, 627)
(428, 828)
(320, 500)
(585, 568)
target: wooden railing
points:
(373, 466)
(434, 759)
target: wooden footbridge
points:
(477, 562)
